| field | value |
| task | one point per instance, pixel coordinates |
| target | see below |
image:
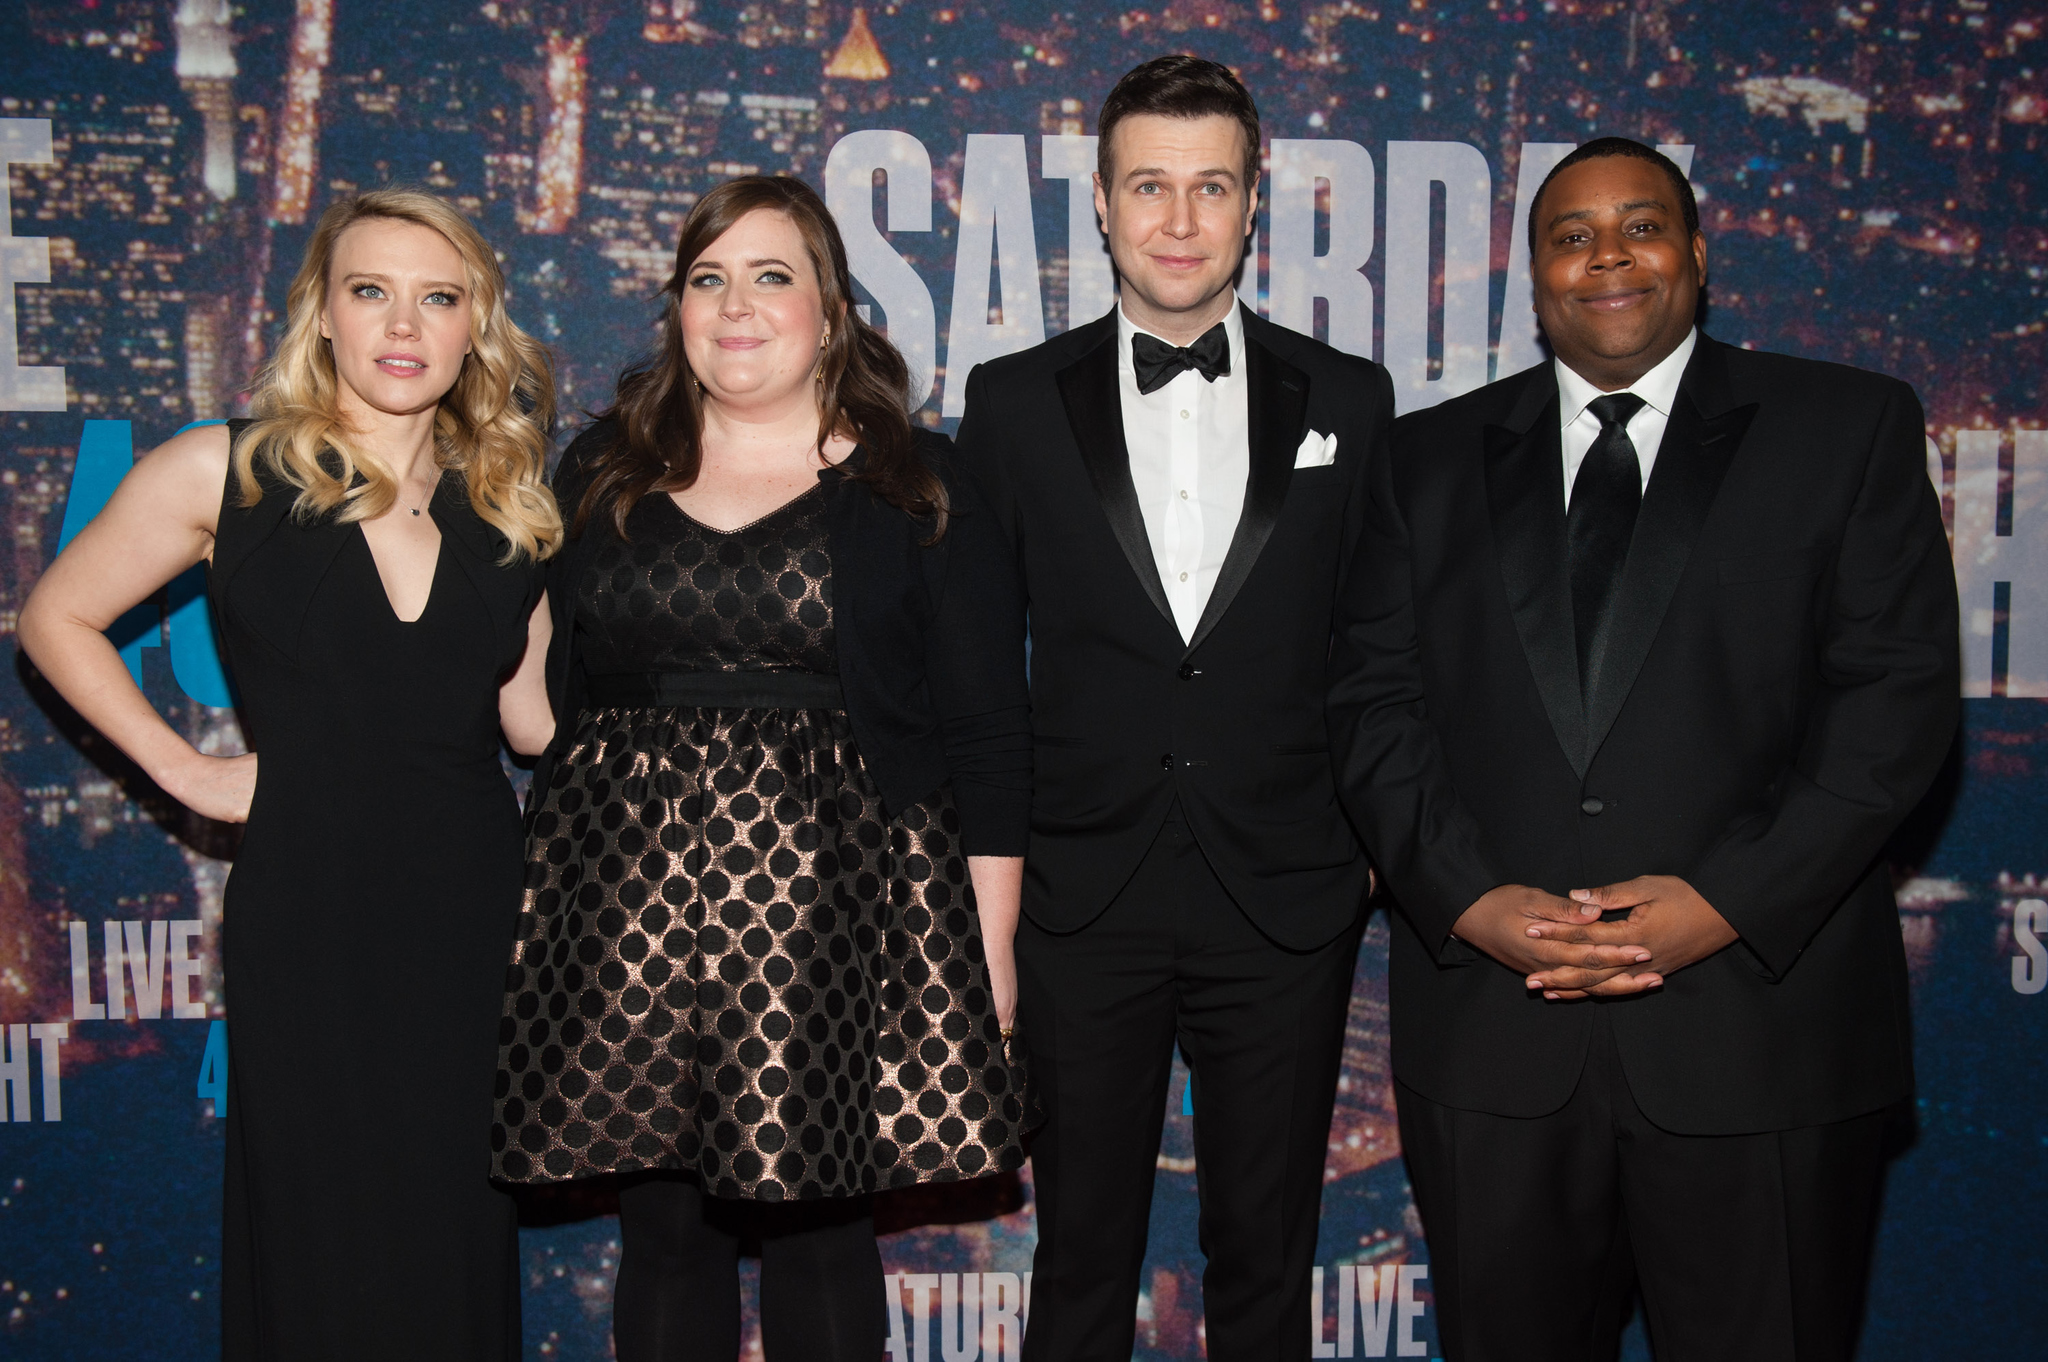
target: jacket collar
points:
(1525, 497)
(1277, 395)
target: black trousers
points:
(678, 1295)
(1262, 1028)
(1743, 1246)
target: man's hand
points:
(1514, 924)
(1665, 915)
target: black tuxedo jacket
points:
(1781, 686)
(1127, 717)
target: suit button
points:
(1166, 762)
(1187, 671)
(1592, 806)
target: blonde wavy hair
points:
(493, 425)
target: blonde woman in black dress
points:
(373, 542)
(775, 850)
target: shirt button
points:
(1183, 576)
(1183, 494)
(1166, 762)
(1183, 416)
(1592, 806)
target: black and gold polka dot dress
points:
(732, 961)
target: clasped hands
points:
(1566, 951)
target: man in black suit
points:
(1710, 680)
(1177, 479)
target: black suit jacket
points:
(925, 634)
(1128, 717)
(1781, 686)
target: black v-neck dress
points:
(366, 918)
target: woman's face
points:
(397, 315)
(753, 316)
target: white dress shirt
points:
(1190, 452)
(1580, 427)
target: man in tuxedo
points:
(1645, 654)
(1177, 479)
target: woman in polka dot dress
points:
(775, 850)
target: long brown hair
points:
(863, 381)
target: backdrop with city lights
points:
(1867, 171)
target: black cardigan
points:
(930, 641)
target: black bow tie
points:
(1158, 363)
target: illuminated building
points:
(1062, 117)
(112, 315)
(788, 125)
(1363, 1129)
(674, 21)
(24, 941)
(206, 71)
(855, 77)
(207, 380)
(125, 30)
(651, 159)
(298, 135)
(558, 171)
(33, 481)
(859, 57)
(782, 23)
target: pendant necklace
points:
(424, 499)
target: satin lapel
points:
(1276, 406)
(1088, 389)
(1691, 461)
(1525, 494)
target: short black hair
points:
(1179, 86)
(1600, 148)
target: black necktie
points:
(1158, 363)
(1605, 497)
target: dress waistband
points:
(715, 690)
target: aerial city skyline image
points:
(1869, 176)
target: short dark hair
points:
(1179, 86)
(1600, 148)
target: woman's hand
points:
(219, 788)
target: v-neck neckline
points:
(433, 576)
(740, 529)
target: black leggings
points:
(678, 1297)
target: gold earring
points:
(825, 339)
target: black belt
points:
(714, 690)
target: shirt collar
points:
(1658, 388)
(1233, 331)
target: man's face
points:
(1617, 276)
(1178, 209)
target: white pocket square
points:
(1317, 451)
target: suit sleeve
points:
(1391, 770)
(975, 662)
(1890, 682)
(976, 445)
